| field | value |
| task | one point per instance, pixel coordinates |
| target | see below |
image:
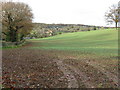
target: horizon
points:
(73, 24)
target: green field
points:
(99, 42)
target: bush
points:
(12, 44)
(88, 29)
(60, 32)
(94, 28)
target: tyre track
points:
(70, 72)
(82, 76)
(72, 82)
(111, 76)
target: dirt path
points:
(70, 71)
(72, 82)
(89, 76)
(83, 77)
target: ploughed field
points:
(72, 60)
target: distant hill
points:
(41, 30)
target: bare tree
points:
(113, 15)
(119, 13)
(16, 20)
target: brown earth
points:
(29, 68)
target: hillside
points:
(104, 42)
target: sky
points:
(88, 12)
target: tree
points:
(16, 20)
(119, 12)
(113, 15)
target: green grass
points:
(99, 42)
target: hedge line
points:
(12, 44)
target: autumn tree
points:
(16, 20)
(113, 15)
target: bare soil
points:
(29, 68)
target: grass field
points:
(99, 42)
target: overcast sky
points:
(88, 12)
